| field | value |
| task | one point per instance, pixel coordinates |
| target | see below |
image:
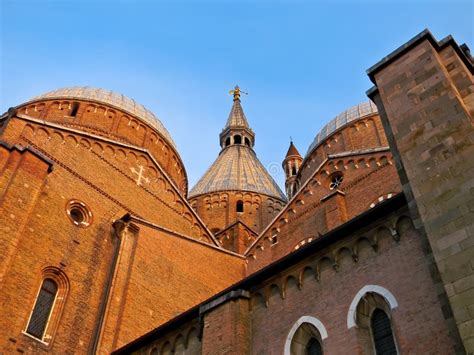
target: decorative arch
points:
(386, 294)
(305, 319)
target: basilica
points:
(104, 248)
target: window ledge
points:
(34, 338)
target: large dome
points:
(109, 98)
(354, 113)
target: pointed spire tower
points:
(237, 129)
(236, 196)
(291, 165)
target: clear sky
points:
(302, 62)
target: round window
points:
(79, 213)
(336, 181)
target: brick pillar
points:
(335, 209)
(425, 95)
(109, 319)
(22, 175)
(227, 324)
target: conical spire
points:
(237, 129)
(292, 151)
(237, 117)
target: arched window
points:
(240, 206)
(42, 309)
(382, 333)
(306, 337)
(293, 170)
(227, 142)
(237, 139)
(48, 305)
(247, 142)
(371, 312)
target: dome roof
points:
(354, 113)
(109, 98)
(237, 168)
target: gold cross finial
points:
(236, 92)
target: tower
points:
(236, 197)
(291, 165)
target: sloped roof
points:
(292, 151)
(237, 116)
(237, 168)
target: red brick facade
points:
(93, 197)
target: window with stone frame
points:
(374, 325)
(306, 341)
(47, 306)
(42, 309)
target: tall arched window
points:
(227, 141)
(42, 309)
(46, 310)
(240, 206)
(237, 139)
(382, 333)
(247, 142)
(371, 312)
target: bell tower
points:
(237, 130)
(291, 165)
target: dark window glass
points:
(313, 347)
(382, 334)
(42, 309)
(74, 108)
(240, 206)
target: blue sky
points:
(302, 62)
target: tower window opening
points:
(237, 139)
(74, 109)
(240, 206)
(227, 142)
(293, 171)
(247, 142)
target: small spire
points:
(292, 151)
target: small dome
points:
(109, 98)
(354, 113)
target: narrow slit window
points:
(42, 309)
(74, 108)
(240, 206)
